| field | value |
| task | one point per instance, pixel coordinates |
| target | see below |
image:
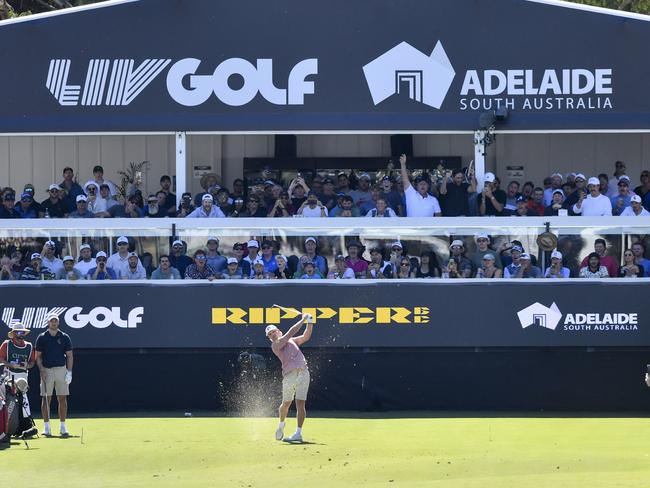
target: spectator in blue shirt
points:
(310, 272)
(164, 271)
(215, 260)
(311, 254)
(101, 271)
(82, 211)
(207, 209)
(72, 189)
(25, 208)
(556, 270)
(638, 249)
(268, 257)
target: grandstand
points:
(162, 189)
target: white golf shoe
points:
(279, 434)
(64, 432)
(296, 437)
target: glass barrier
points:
(397, 241)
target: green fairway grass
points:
(410, 452)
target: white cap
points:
(635, 198)
(312, 239)
(253, 243)
(489, 256)
(365, 176)
(233, 261)
(269, 329)
(456, 242)
(100, 254)
(91, 183)
(84, 246)
(482, 235)
(132, 255)
(212, 238)
(122, 239)
(36, 256)
(556, 254)
(82, 198)
(624, 177)
(525, 256)
(177, 242)
(50, 243)
(489, 177)
(281, 256)
(397, 244)
(53, 186)
(580, 175)
(557, 190)
(557, 174)
(207, 196)
(593, 181)
(51, 316)
(68, 258)
(258, 260)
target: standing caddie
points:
(54, 359)
(18, 356)
(295, 375)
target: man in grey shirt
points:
(68, 272)
(165, 271)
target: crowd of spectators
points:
(252, 260)
(395, 193)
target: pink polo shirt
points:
(290, 356)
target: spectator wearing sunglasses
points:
(25, 207)
(119, 261)
(268, 257)
(644, 188)
(178, 259)
(243, 263)
(253, 208)
(200, 269)
(207, 209)
(7, 210)
(54, 206)
(36, 271)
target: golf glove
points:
(68, 377)
(309, 318)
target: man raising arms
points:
(295, 375)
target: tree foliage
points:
(14, 8)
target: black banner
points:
(348, 314)
(167, 65)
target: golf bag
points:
(13, 410)
(26, 426)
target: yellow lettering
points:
(220, 315)
(421, 315)
(255, 315)
(273, 315)
(352, 315)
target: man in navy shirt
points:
(54, 359)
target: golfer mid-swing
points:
(295, 375)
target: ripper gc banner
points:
(294, 65)
(363, 314)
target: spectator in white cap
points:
(283, 272)
(258, 270)
(556, 183)
(86, 261)
(311, 253)
(513, 270)
(458, 265)
(580, 182)
(91, 191)
(101, 271)
(49, 260)
(54, 206)
(623, 197)
(556, 205)
(491, 201)
(483, 248)
(119, 261)
(69, 272)
(635, 209)
(556, 270)
(419, 203)
(36, 271)
(253, 248)
(594, 204)
(165, 271)
(214, 258)
(135, 270)
(487, 269)
(82, 211)
(396, 252)
(207, 209)
(527, 269)
(233, 271)
(98, 173)
(178, 259)
(619, 172)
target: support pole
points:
(479, 157)
(181, 166)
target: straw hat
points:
(17, 328)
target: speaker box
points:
(401, 144)
(285, 146)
